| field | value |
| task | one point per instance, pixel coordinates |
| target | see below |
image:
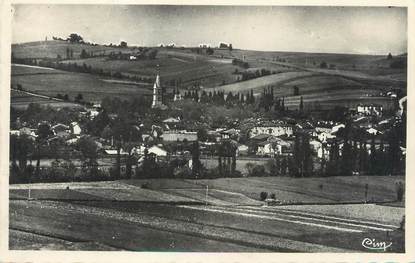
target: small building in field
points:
(75, 128)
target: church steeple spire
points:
(157, 91)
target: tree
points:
(84, 54)
(123, 44)
(394, 152)
(89, 151)
(296, 91)
(263, 196)
(373, 157)
(389, 56)
(196, 164)
(149, 166)
(230, 47)
(152, 54)
(323, 64)
(301, 104)
(209, 51)
(21, 149)
(75, 38)
(202, 135)
(79, 97)
(44, 132)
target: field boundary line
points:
(275, 218)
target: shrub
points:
(259, 170)
(272, 196)
(145, 185)
(263, 196)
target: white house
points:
(181, 135)
(319, 148)
(272, 146)
(242, 150)
(171, 120)
(277, 130)
(75, 128)
(61, 130)
(115, 152)
(92, 114)
(337, 127)
(72, 141)
(138, 150)
(373, 131)
(370, 109)
(15, 132)
(268, 148)
(323, 136)
(177, 96)
(158, 151)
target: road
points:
(167, 227)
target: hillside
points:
(347, 79)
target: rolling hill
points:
(349, 78)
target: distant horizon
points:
(255, 50)
(306, 29)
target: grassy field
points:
(354, 76)
(91, 87)
(53, 48)
(259, 83)
(158, 227)
(334, 189)
(20, 100)
(370, 64)
(171, 215)
(226, 191)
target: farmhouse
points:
(157, 150)
(324, 136)
(373, 131)
(371, 109)
(24, 131)
(115, 152)
(273, 146)
(61, 130)
(230, 134)
(278, 130)
(138, 150)
(75, 128)
(320, 149)
(242, 150)
(171, 120)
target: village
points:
(164, 141)
(207, 128)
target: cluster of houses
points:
(69, 133)
(253, 137)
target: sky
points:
(361, 30)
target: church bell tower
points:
(157, 92)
